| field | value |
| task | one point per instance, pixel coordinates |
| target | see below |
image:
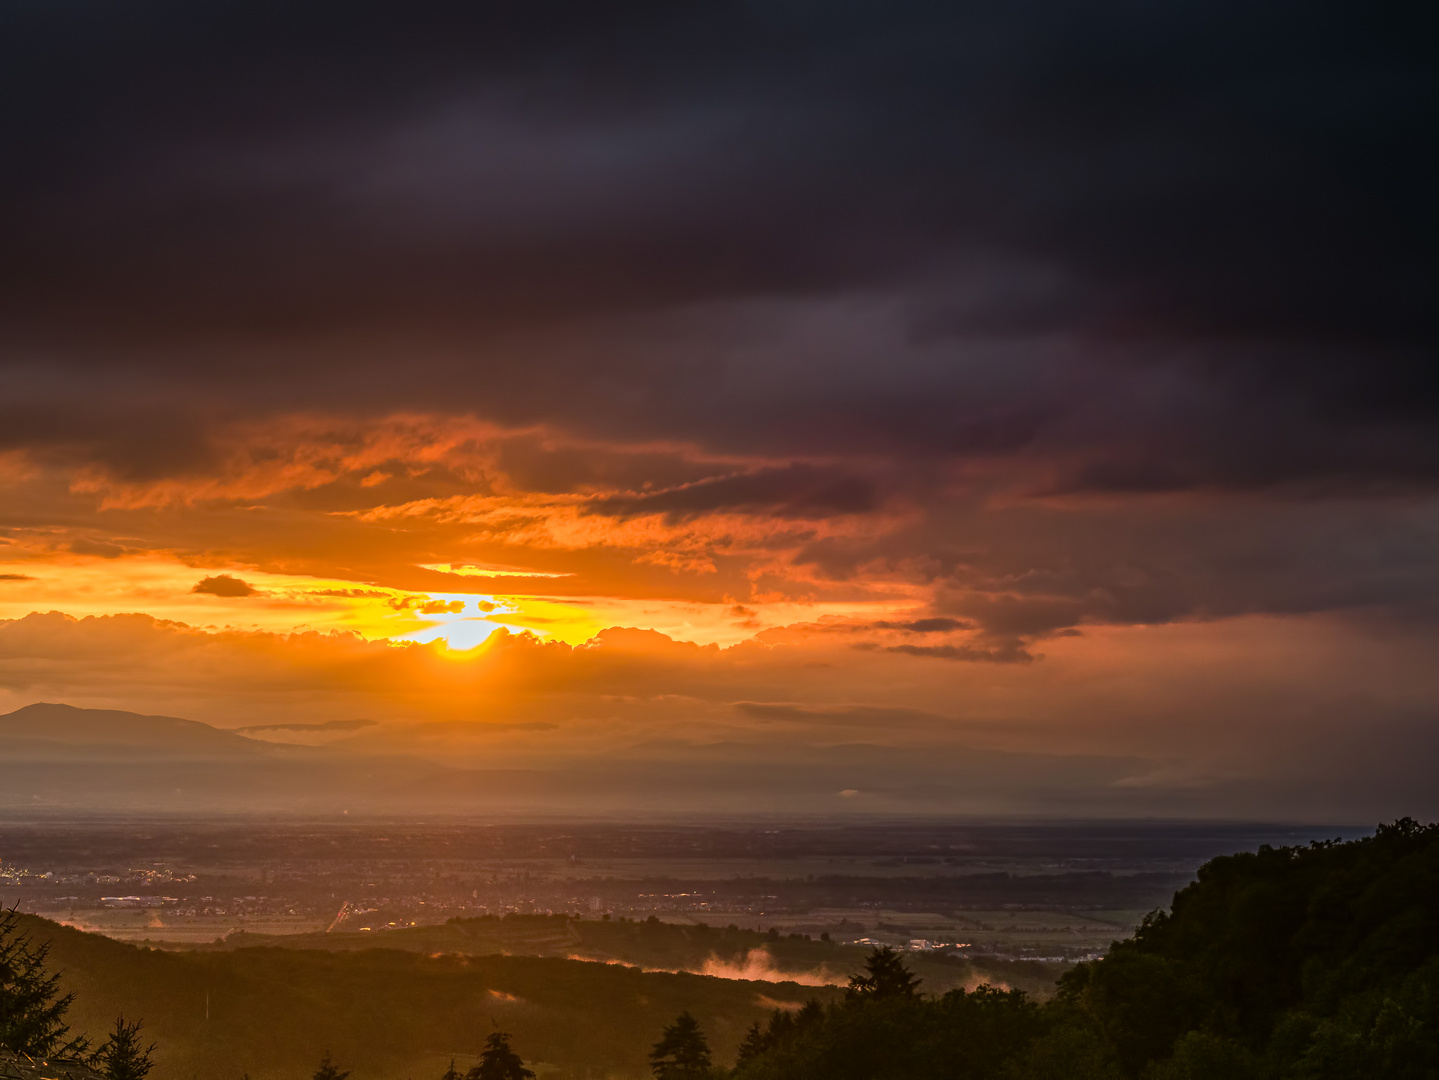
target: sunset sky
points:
(1031, 405)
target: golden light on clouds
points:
(471, 570)
(478, 590)
(170, 589)
(707, 398)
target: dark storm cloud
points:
(91, 421)
(1176, 246)
(224, 585)
(533, 463)
(795, 491)
(925, 626)
(103, 548)
(1028, 572)
(1006, 653)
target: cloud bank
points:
(962, 350)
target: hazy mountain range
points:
(58, 757)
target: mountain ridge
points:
(55, 724)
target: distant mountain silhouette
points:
(54, 732)
(56, 756)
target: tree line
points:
(1300, 963)
(1297, 963)
(32, 1013)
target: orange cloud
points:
(1097, 719)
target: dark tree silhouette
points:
(32, 1009)
(682, 1052)
(452, 1073)
(809, 1015)
(122, 1057)
(499, 1061)
(1304, 963)
(327, 1070)
(754, 1043)
(887, 977)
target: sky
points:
(1031, 407)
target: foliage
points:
(650, 943)
(392, 1013)
(754, 1043)
(682, 1053)
(1067, 1049)
(121, 1057)
(886, 976)
(32, 1009)
(499, 1061)
(1314, 963)
(327, 1070)
(898, 1035)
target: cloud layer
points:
(1261, 718)
(953, 337)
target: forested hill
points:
(1315, 963)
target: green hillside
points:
(653, 944)
(1317, 963)
(388, 1013)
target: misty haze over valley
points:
(556, 540)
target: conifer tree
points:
(499, 1061)
(781, 1027)
(809, 1015)
(682, 1052)
(452, 1073)
(887, 977)
(327, 1070)
(754, 1044)
(32, 1009)
(122, 1057)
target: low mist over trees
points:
(1315, 963)
(1295, 963)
